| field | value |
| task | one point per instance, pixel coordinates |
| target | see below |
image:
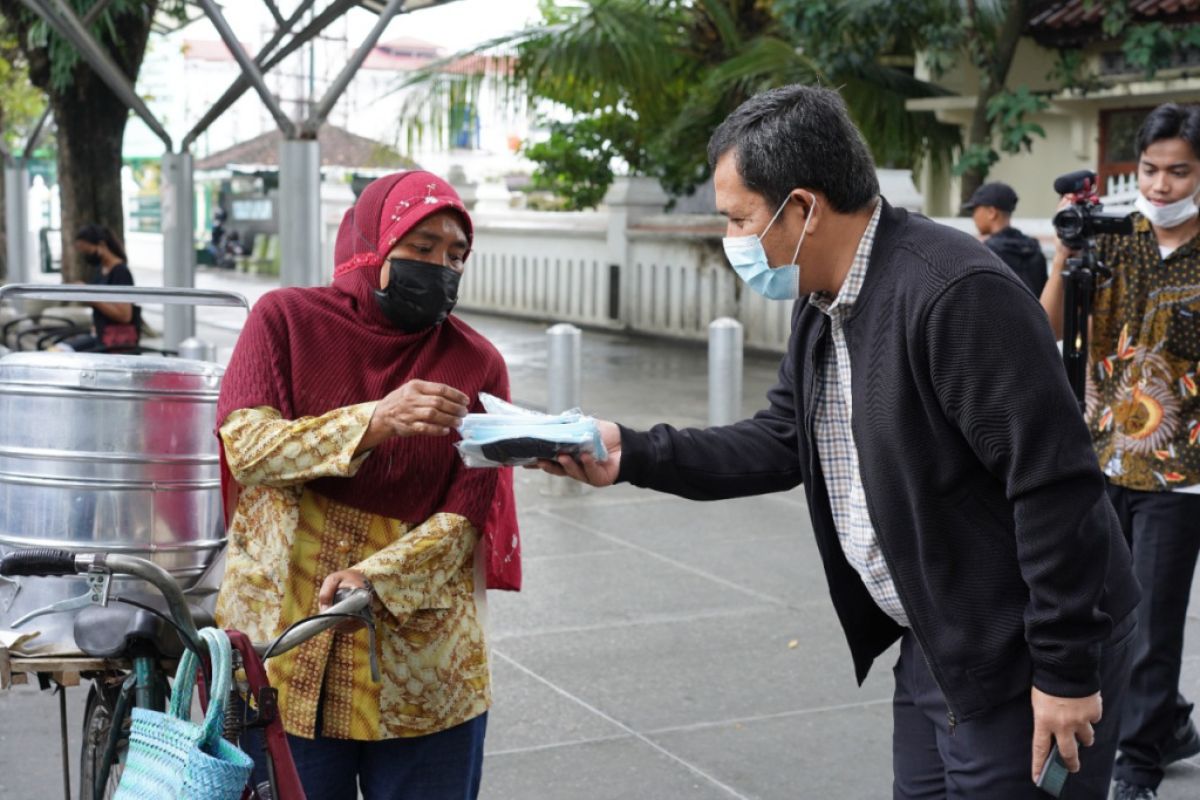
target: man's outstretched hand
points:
(587, 469)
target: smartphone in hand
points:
(1054, 773)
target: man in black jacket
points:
(955, 497)
(992, 206)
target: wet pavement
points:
(661, 648)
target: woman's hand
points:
(343, 579)
(418, 408)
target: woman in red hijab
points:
(336, 418)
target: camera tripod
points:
(1079, 284)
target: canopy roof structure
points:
(297, 145)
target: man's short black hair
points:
(798, 137)
(1170, 121)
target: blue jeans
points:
(446, 765)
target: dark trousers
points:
(84, 343)
(1163, 529)
(446, 765)
(989, 757)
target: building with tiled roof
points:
(339, 148)
(1090, 129)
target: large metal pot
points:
(106, 452)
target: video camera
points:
(1085, 217)
(1077, 226)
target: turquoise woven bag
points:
(172, 758)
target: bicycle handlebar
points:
(51, 562)
(348, 602)
(37, 561)
(155, 575)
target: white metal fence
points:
(1121, 191)
(673, 280)
(628, 268)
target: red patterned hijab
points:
(308, 351)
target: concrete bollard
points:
(724, 371)
(564, 378)
(197, 349)
(564, 374)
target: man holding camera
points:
(1143, 409)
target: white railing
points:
(628, 268)
(560, 268)
(541, 265)
(1120, 191)
(674, 280)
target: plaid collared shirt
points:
(835, 441)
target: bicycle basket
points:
(172, 758)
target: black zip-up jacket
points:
(980, 478)
(1023, 254)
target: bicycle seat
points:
(110, 632)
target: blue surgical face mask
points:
(749, 260)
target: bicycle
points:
(151, 636)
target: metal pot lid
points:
(104, 372)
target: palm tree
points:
(646, 81)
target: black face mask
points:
(419, 295)
(92, 259)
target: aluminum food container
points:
(111, 453)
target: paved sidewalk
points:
(661, 648)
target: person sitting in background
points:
(992, 206)
(115, 326)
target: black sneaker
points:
(1127, 791)
(1185, 743)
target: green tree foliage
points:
(639, 85)
(20, 107)
(635, 85)
(20, 103)
(89, 118)
(673, 69)
(576, 161)
(946, 33)
(858, 36)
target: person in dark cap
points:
(992, 207)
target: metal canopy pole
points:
(343, 79)
(179, 250)
(300, 213)
(59, 16)
(16, 219)
(274, 9)
(300, 174)
(241, 83)
(249, 68)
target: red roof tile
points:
(1082, 13)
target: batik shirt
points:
(1142, 403)
(284, 539)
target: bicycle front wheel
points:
(97, 722)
